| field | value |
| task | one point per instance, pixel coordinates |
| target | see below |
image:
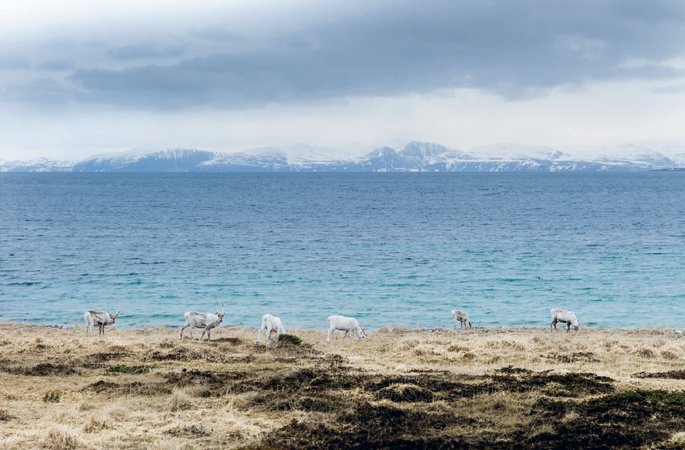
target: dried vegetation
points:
(397, 389)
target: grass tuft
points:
(678, 438)
(51, 397)
(58, 439)
(179, 401)
(95, 426)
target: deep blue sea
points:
(389, 249)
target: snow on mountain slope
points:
(35, 165)
(514, 152)
(679, 159)
(637, 155)
(413, 157)
(174, 160)
(433, 153)
(303, 154)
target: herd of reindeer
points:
(272, 324)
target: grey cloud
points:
(47, 92)
(514, 49)
(55, 64)
(13, 62)
(218, 33)
(144, 51)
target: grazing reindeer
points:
(346, 324)
(99, 318)
(567, 317)
(205, 321)
(270, 324)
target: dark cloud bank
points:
(514, 49)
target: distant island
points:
(413, 157)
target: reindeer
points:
(567, 317)
(99, 318)
(205, 321)
(461, 317)
(270, 324)
(345, 324)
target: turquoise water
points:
(390, 249)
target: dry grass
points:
(61, 439)
(398, 388)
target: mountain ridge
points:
(416, 156)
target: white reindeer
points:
(567, 317)
(461, 317)
(270, 324)
(99, 318)
(345, 324)
(205, 321)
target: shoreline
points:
(381, 329)
(481, 388)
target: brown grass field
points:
(481, 388)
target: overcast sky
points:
(82, 77)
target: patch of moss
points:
(625, 420)
(672, 374)
(289, 340)
(135, 370)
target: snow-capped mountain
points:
(177, 160)
(35, 165)
(645, 157)
(413, 157)
(428, 157)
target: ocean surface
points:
(389, 249)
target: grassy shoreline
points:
(401, 388)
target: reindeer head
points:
(114, 316)
(361, 333)
(220, 312)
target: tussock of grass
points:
(667, 354)
(406, 393)
(60, 439)
(645, 353)
(180, 401)
(678, 438)
(94, 426)
(51, 397)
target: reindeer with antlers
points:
(99, 318)
(205, 321)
